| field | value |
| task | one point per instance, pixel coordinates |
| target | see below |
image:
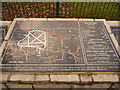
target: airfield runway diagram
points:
(60, 46)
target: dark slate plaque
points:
(2, 34)
(116, 32)
(60, 46)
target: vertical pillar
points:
(57, 9)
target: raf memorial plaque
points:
(60, 46)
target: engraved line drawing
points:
(35, 39)
(32, 40)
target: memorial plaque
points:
(2, 34)
(116, 32)
(60, 46)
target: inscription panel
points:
(98, 45)
(60, 46)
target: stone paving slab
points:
(117, 85)
(15, 86)
(39, 86)
(86, 78)
(89, 86)
(42, 78)
(86, 19)
(65, 19)
(37, 19)
(106, 78)
(81, 78)
(5, 23)
(15, 78)
(23, 78)
(113, 23)
(65, 78)
(21, 19)
(3, 87)
(105, 85)
(36, 86)
(5, 77)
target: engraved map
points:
(61, 46)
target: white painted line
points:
(83, 51)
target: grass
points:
(101, 10)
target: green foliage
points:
(103, 10)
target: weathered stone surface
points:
(5, 23)
(28, 78)
(2, 86)
(37, 19)
(86, 78)
(65, 19)
(23, 78)
(113, 23)
(65, 78)
(105, 78)
(80, 86)
(21, 19)
(42, 78)
(23, 86)
(5, 77)
(37, 86)
(15, 78)
(117, 85)
(86, 19)
(102, 85)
